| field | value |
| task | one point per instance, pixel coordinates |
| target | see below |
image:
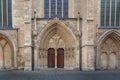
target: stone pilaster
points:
(36, 57)
(22, 20)
(88, 34)
(28, 41)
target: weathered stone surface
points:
(82, 40)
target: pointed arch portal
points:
(108, 52)
(58, 37)
(6, 53)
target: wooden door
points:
(60, 58)
(51, 58)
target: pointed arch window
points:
(110, 14)
(56, 8)
(5, 13)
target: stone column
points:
(36, 58)
(78, 52)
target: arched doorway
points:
(58, 36)
(108, 55)
(60, 58)
(6, 53)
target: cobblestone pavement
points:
(59, 75)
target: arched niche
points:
(6, 53)
(103, 61)
(112, 61)
(109, 44)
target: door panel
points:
(112, 61)
(104, 61)
(60, 58)
(51, 58)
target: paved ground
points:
(59, 75)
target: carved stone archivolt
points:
(109, 52)
(6, 54)
(56, 36)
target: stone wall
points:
(22, 20)
(87, 36)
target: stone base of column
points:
(88, 69)
(88, 58)
(28, 69)
(20, 68)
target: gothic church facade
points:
(67, 34)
